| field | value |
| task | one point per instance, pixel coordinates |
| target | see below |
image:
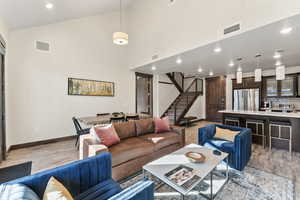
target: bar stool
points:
(280, 131)
(232, 121)
(258, 129)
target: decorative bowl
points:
(195, 157)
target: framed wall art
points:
(84, 87)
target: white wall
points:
(198, 108)
(159, 28)
(3, 29)
(167, 93)
(38, 106)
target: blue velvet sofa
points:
(239, 151)
(89, 179)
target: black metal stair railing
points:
(186, 100)
(177, 79)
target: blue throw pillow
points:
(17, 192)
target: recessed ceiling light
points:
(231, 64)
(278, 63)
(153, 68)
(200, 70)
(286, 30)
(178, 60)
(211, 73)
(49, 6)
(217, 50)
(239, 69)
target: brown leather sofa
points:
(139, 145)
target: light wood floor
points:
(52, 155)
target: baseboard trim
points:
(41, 142)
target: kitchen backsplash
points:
(277, 101)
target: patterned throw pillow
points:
(56, 191)
(226, 134)
(17, 192)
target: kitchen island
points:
(267, 117)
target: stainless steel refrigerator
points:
(246, 99)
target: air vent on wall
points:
(42, 46)
(232, 29)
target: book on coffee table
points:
(183, 176)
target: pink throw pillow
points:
(107, 135)
(162, 125)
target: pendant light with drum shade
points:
(280, 69)
(280, 72)
(258, 71)
(120, 38)
(239, 73)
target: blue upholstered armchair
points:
(239, 150)
(89, 179)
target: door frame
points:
(3, 116)
(150, 76)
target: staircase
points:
(177, 79)
(184, 101)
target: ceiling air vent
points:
(232, 29)
(42, 46)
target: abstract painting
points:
(90, 87)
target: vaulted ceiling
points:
(27, 13)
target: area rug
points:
(251, 184)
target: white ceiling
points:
(265, 41)
(27, 13)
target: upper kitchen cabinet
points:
(271, 87)
(283, 88)
(247, 83)
(288, 87)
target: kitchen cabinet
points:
(283, 88)
(271, 87)
(247, 83)
(288, 87)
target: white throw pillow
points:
(96, 139)
(17, 192)
(93, 133)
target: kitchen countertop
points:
(262, 113)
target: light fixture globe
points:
(120, 38)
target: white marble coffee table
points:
(163, 165)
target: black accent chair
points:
(79, 130)
(117, 113)
(16, 171)
(132, 117)
(117, 119)
(102, 114)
